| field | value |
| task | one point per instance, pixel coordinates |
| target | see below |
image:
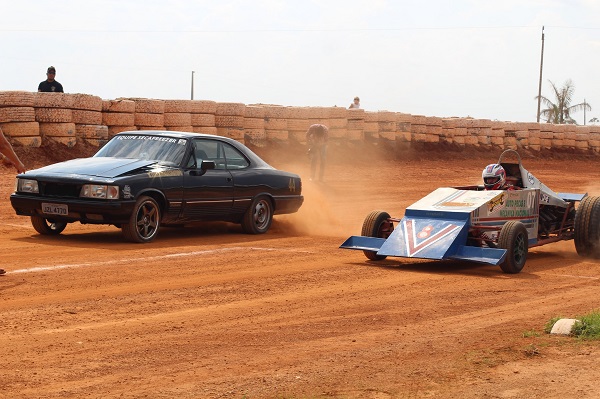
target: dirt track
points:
(209, 312)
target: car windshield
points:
(163, 149)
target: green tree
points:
(559, 112)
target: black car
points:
(141, 180)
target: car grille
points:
(60, 189)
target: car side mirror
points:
(204, 166)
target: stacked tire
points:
(203, 116)
(87, 117)
(118, 116)
(17, 118)
(254, 126)
(149, 114)
(178, 115)
(54, 113)
(229, 120)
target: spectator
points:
(8, 154)
(355, 104)
(316, 139)
(50, 85)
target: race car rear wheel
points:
(377, 224)
(513, 238)
(43, 226)
(144, 222)
(258, 218)
(587, 227)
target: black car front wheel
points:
(258, 218)
(45, 227)
(144, 222)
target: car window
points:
(208, 150)
(235, 159)
(224, 155)
(164, 149)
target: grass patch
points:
(531, 333)
(588, 326)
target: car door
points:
(208, 194)
(246, 182)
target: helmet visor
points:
(490, 181)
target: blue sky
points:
(434, 58)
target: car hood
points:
(94, 166)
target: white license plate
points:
(55, 209)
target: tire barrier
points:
(32, 118)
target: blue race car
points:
(495, 227)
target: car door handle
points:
(229, 179)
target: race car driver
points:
(494, 178)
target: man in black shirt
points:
(50, 85)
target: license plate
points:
(55, 209)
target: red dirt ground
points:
(209, 312)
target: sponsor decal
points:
(530, 178)
(417, 241)
(496, 203)
(544, 198)
(127, 192)
(152, 138)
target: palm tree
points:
(560, 112)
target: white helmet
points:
(494, 176)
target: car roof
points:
(187, 135)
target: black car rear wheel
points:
(377, 224)
(43, 226)
(513, 237)
(258, 218)
(144, 222)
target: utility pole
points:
(584, 107)
(540, 86)
(193, 85)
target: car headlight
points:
(99, 191)
(27, 186)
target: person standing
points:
(355, 104)
(316, 139)
(50, 85)
(7, 154)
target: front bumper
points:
(84, 211)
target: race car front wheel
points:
(587, 227)
(513, 238)
(377, 224)
(43, 226)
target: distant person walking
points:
(7, 154)
(316, 139)
(50, 85)
(355, 104)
